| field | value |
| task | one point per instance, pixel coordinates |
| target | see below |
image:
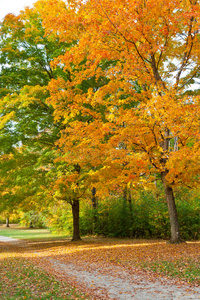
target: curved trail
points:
(123, 285)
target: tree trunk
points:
(125, 194)
(7, 222)
(130, 204)
(173, 215)
(75, 213)
(31, 225)
(94, 205)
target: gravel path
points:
(7, 239)
(123, 285)
(104, 284)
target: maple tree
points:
(150, 119)
(25, 57)
(27, 130)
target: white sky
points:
(13, 6)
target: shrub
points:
(33, 219)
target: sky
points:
(13, 6)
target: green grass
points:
(19, 279)
(21, 233)
(188, 270)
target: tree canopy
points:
(117, 93)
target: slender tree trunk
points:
(156, 194)
(31, 225)
(94, 205)
(7, 222)
(125, 194)
(173, 215)
(130, 204)
(75, 213)
(128, 199)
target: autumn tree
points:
(150, 114)
(25, 56)
(27, 129)
(27, 116)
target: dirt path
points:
(103, 281)
(7, 239)
(122, 285)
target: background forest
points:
(99, 118)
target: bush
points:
(148, 216)
(33, 219)
(188, 206)
(145, 217)
(59, 218)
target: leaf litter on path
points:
(111, 269)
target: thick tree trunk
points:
(173, 215)
(75, 213)
(7, 222)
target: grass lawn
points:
(25, 233)
(22, 280)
